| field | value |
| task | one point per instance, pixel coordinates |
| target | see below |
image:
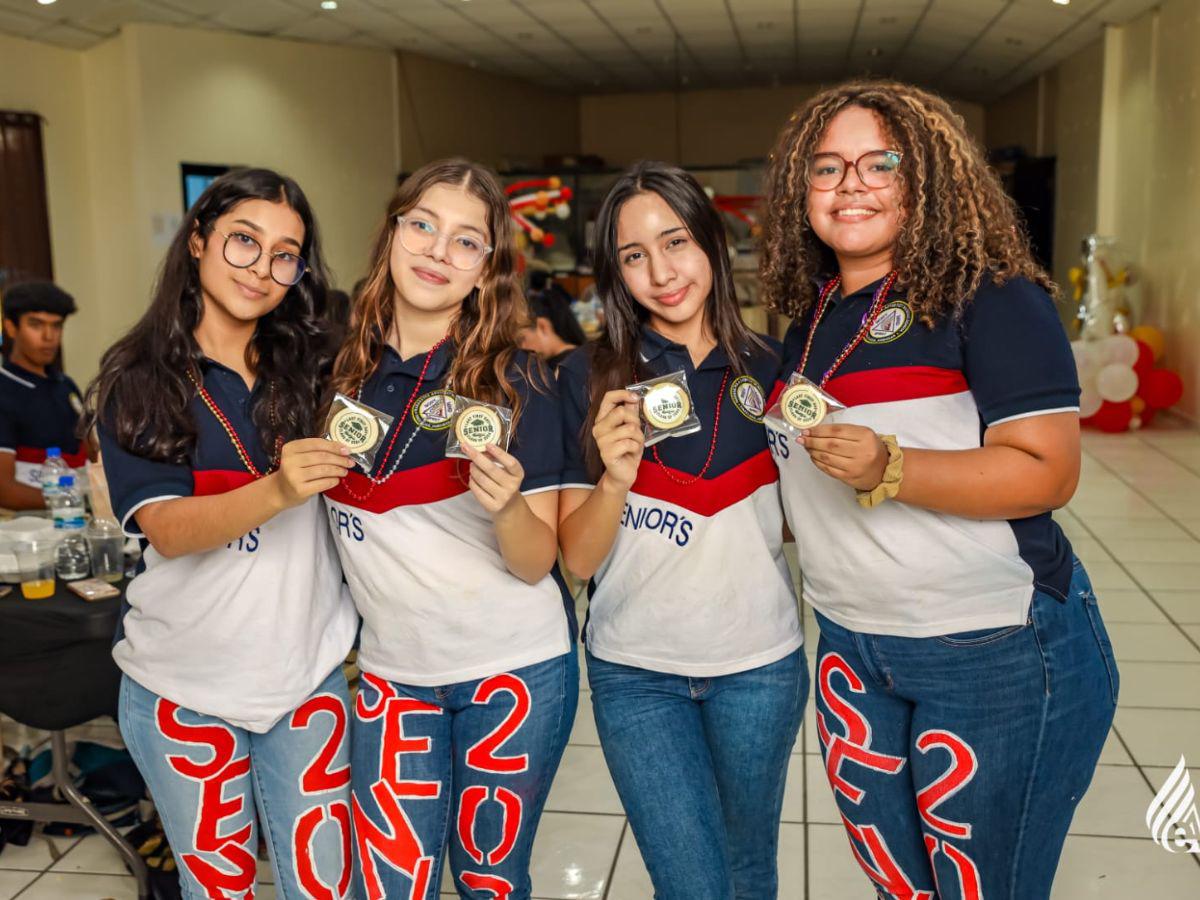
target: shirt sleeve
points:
(134, 481)
(572, 383)
(1016, 357)
(8, 430)
(537, 441)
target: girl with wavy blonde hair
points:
(964, 680)
(470, 678)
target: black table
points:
(56, 672)
(56, 665)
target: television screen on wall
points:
(196, 177)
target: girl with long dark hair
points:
(232, 695)
(470, 677)
(693, 636)
(965, 682)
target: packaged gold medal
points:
(666, 407)
(477, 424)
(802, 404)
(359, 427)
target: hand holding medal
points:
(666, 407)
(619, 436)
(359, 427)
(476, 425)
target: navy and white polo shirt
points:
(245, 632)
(439, 605)
(899, 569)
(696, 582)
(36, 412)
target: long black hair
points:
(616, 359)
(143, 389)
(554, 307)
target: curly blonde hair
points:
(958, 226)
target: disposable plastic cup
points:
(106, 544)
(35, 568)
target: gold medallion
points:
(666, 405)
(355, 429)
(478, 426)
(802, 405)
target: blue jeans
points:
(463, 768)
(700, 764)
(957, 761)
(207, 777)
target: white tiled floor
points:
(1135, 522)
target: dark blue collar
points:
(655, 345)
(390, 362)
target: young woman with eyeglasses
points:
(964, 681)
(470, 677)
(232, 696)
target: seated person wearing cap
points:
(39, 405)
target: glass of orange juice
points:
(35, 567)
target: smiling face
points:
(855, 221)
(250, 293)
(664, 268)
(427, 282)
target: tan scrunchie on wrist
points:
(892, 476)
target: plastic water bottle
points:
(72, 558)
(67, 505)
(52, 469)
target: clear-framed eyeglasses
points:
(464, 250)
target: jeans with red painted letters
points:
(957, 761)
(461, 770)
(208, 778)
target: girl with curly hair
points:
(965, 683)
(470, 674)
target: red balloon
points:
(1148, 416)
(1112, 417)
(1145, 360)
(1160, 389)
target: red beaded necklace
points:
(712, 444)
(877, 302)
(374, 481)
(233, 437)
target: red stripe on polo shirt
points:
(205, 483)
(894, 384)
(707, 496)
(38, 455)
(436, 481)
(775, 392)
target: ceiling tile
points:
(69, 36)
(318, 28)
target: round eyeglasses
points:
(877, 169)
(419, 236)
(242, 250)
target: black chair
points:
(57, 672)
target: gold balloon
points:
(1151, 336)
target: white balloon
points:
(1135, 423)
(1118, 348)
(1116, 383)
(1089, 401)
